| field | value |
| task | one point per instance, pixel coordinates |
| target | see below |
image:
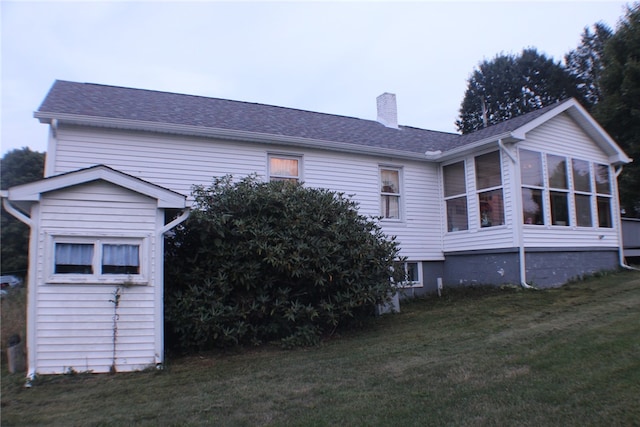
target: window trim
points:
(399, 194)
(284, 156)
(97, 277)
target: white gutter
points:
(230, 134)
(13, 211)
(473, 146)
(621, 259)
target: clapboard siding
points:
(97, 206)
(562, 135)
(179, 162)
(167, 160)
(477, 238)
(74, 322)
(74, 328)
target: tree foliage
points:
(18, 166)
(511, 85)
(258, 262)
(585, 62)
(619, 109)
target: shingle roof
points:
(101, 101)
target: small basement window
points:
(413, 275)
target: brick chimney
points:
(388, 110)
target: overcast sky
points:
(331, 57)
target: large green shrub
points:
(260, 262)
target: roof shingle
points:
(94, 100)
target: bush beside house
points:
(260, 262)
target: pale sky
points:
(330, 57)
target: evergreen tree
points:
(511, 85)
(585, 62)
(17, 167)
(619, 109)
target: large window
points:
(558, 189)
(577, 191)
(284, 168)
(390, 193)
(532, 179)
(489, 189)
(603, 190)
(582, 192)
(455, 195)
(101, 260)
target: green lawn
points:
(567, 356)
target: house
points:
(531, 201)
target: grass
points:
(567, 356)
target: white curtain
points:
(120, 255)
(74, 253)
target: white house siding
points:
(74, 323)
(476, 237)
(178, 162)
(562, 136)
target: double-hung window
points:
(489, 189)
(455, 196)
(390, 193)
(532, 180)
(284, 168)
(97, 260)
(558, 189)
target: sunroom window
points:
(489, 189)
(576, 191)
(603, 190)
(582, 192)
(558, 189)
(455, 196)
(532, 180)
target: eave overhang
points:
(228, 134)
(32, 192)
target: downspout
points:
(518, 203)
(159, 299)
(621, 259)
(31, 274)
(13, 211)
